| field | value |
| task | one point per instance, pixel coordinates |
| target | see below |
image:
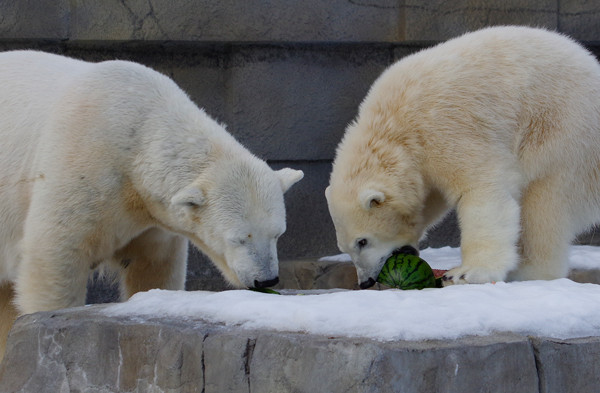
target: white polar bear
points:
(504, 125)
(111, 162)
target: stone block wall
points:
(334, 21)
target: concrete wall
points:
(286, 76)
(286, 21)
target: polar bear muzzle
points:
(367, 284)
(267, 283)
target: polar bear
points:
(502, 124)
(112, 164)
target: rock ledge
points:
(80, 349)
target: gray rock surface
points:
(82, 350)
(559, 368)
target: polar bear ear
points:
(288, 177)
(370, 198)
(190, 196)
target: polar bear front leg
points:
(156, 259)
(489, 223)
(51, 278)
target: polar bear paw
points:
(472, 275)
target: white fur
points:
(504, 125)
(111, 162)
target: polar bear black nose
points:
(407, 250)
(266, 284)
(367, 284)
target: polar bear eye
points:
(362, 243)
(241, 241)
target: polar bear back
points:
(30, 82)
(517, 86)
(40, 88)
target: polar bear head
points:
(235, 213)
(370, 229)
(376, 199)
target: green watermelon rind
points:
(393, 273)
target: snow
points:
(445, 258)
(584, 257)
(558, 308)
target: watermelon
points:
(265, 290)
(406, 271)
